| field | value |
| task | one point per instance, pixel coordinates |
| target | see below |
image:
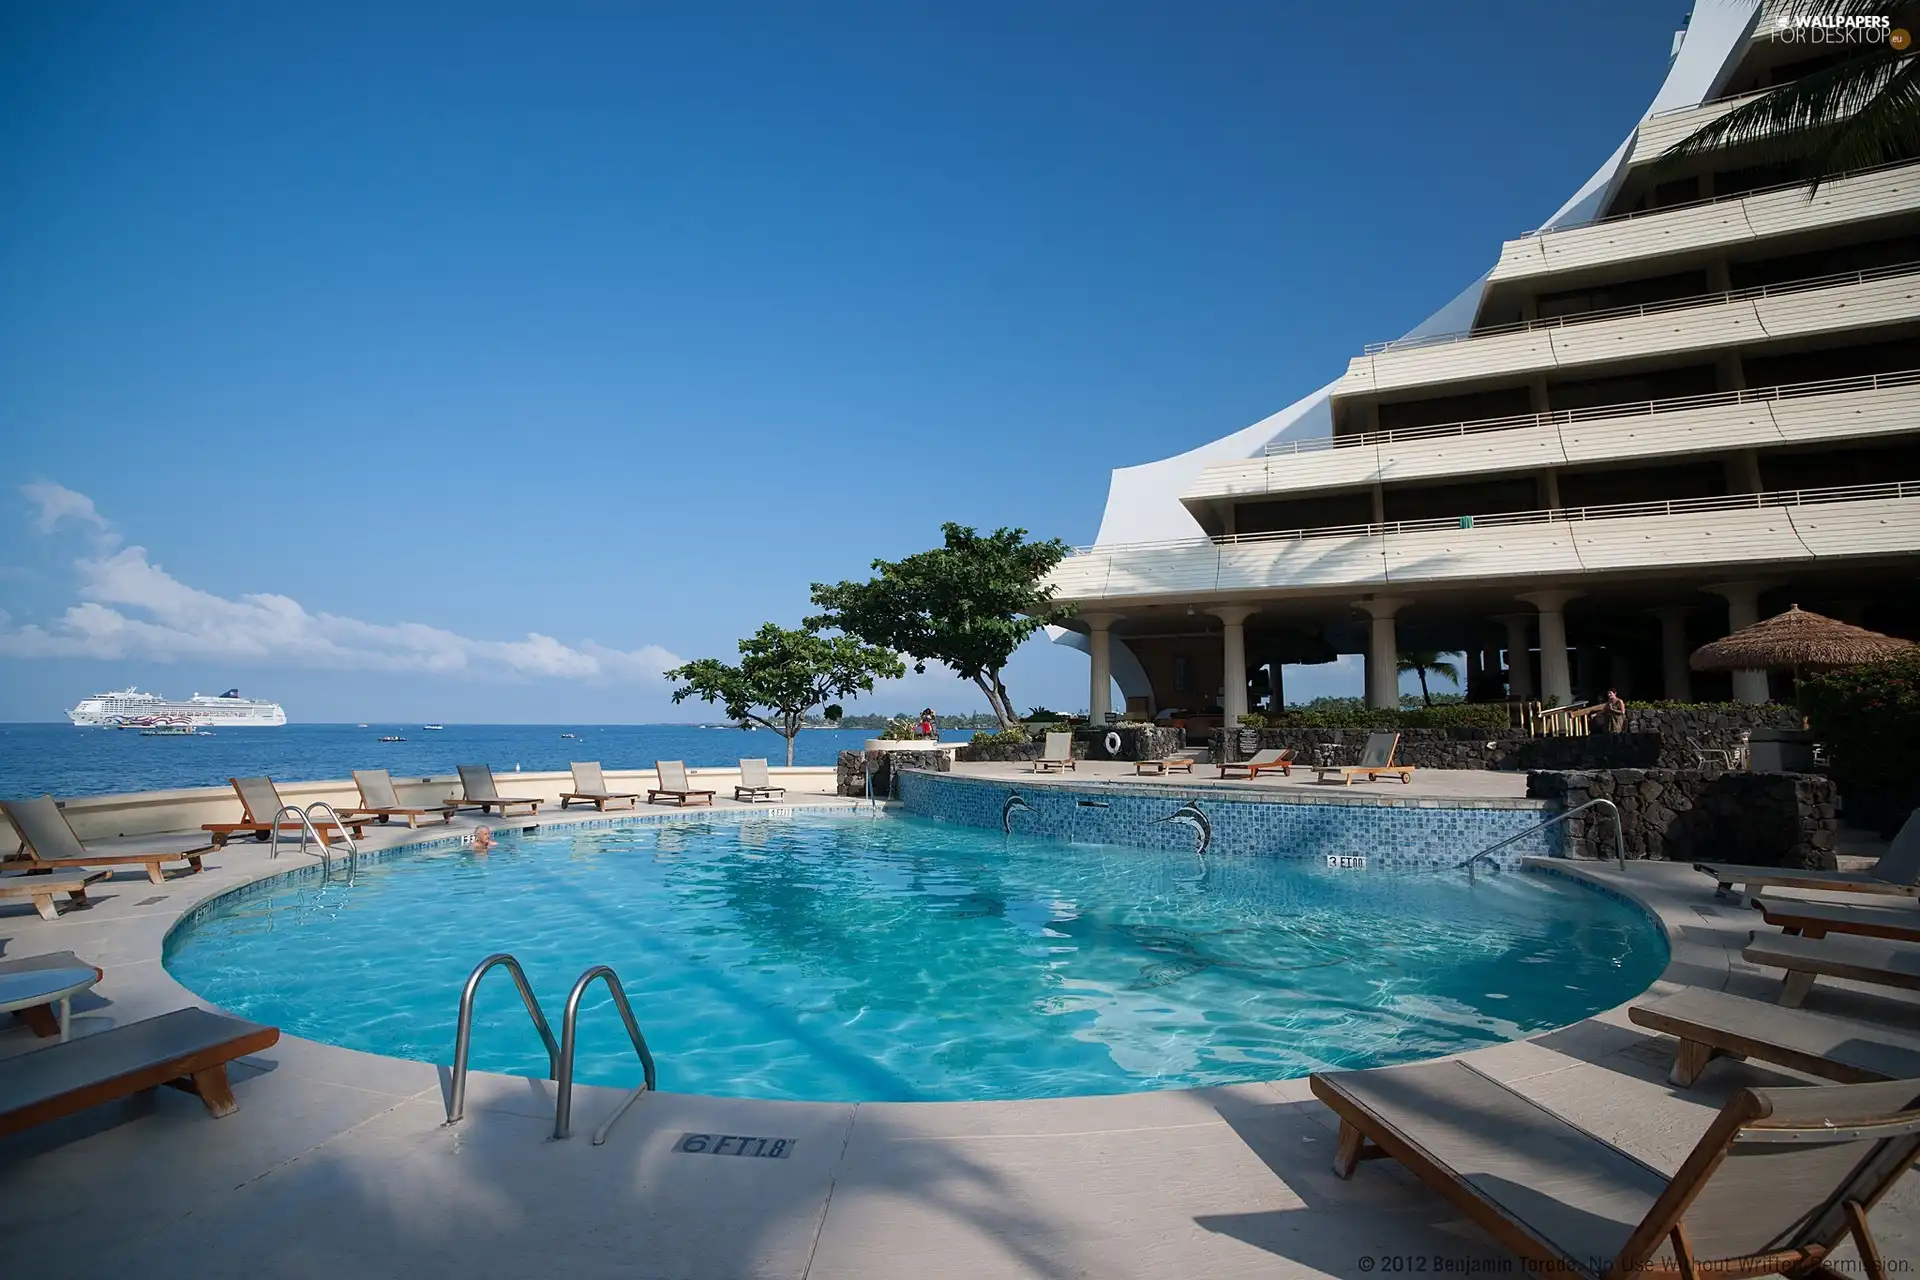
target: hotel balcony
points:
(1747, 531)
(1713, 224)
(1659, 132)
(1848, 301)
(1803, 413)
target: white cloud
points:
(55, 503)
(132, 608)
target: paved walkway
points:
(338, 1163)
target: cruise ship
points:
(130, 708)
(1688, 400)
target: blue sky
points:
(468, 361)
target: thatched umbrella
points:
(1796, 640)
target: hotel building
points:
(1688, 400)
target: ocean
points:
(66, 761)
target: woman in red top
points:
(927, 729)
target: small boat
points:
(433, 726)
(359, 726)
(167, 731)
(570, 735)
(393, 739)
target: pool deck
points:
(338, 1163)
(1432, 786)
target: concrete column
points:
(1676, 675)
(1550, 489)
(1233, 682)
(1556, 681)
(1100, 690)
(1743, 610)
(1519, 665)
(1383, 651)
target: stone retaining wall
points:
(1137, 742)
(1769, 819)
(851, 774)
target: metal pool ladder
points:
(307, 829)
(1612, 810)
(560, 1055)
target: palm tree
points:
(1861, 111)
(1421, 661)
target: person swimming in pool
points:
(482, 839)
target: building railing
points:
(1541, 233)
(1628, 409)
(1836, 280)
(1556, 515)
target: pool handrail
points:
(1613, 811)
(563, 1106)
(463, 1032)
(307, 828)
(326, 851)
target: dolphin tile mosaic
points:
(1427, 834)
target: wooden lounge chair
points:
(379, 801)
(1273, 760)
(1056, 753)
(478, 792)
(1164, 765)
(40, 1018)
(45, 888)
(259, 802)
(756, 783)
(1375, 759)
(590, 787)
(1780, 1178)
(1805, 959)
(1818, 919)
(189, 1048)
(50, 845)
(1712, 1024)
(674, 786)
(1898, 871)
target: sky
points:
(478, 362)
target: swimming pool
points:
(860, 956)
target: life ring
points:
(1113, 742)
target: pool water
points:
(860, 956)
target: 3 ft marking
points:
(1347, 860)
(735, 1144)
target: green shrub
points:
(899, 731)
(1351, 713)
(1456, 715)
(1002, 738)
(1253, 720)
(1869, 718)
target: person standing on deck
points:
(1616, 712)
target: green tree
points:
(1862, 110)
(967, 604)
(1422, 661)
(783, 674)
